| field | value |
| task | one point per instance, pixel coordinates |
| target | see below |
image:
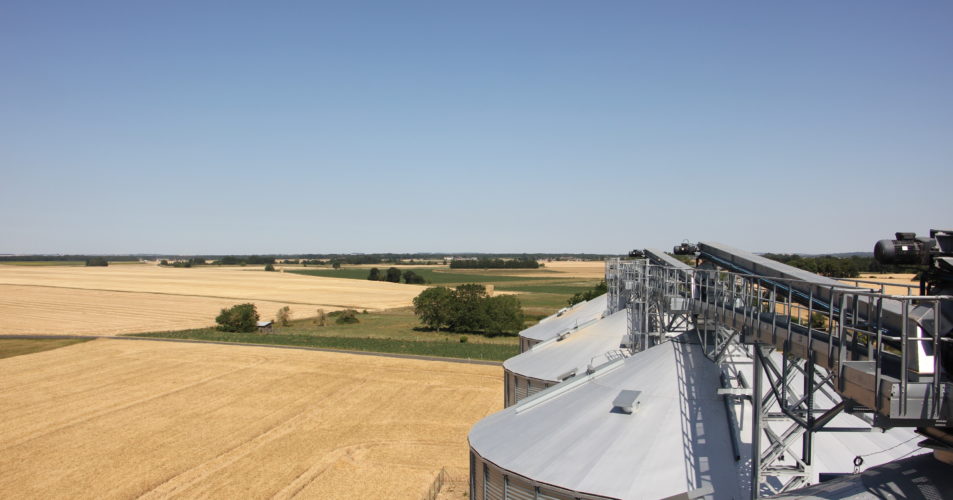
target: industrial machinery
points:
(804, 369)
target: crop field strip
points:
(119, 419)
(142, 298)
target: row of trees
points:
(468, 308)
(231, 260)
(96, 262)
(590, 294)
(394, 275)
(838, 267)
(183, 263)
(487, 263)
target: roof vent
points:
(627, 402)
(568, 375)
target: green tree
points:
(336, 265)
(468, 311)
(283, 316)
(238, 318)
(393, 275)
(412, 278)
(590, 294)
(375, 274)
(347, 316)
(502, 314)
(434, 307)
(269, 267)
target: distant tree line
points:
(468, 308)
(66, 258)
(590, 294)
(232, 260)
(394, 275)
(487, 263)
(318, 259)
(96, 262)
(183, 263)
(838, 267)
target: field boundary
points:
(273, 346)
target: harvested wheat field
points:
(892, 283)
(131, 299)
(559, 269)
(130, 418)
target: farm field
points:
(393, 331)
(142, 298)
(10, 347)
(126, 418)
(895, 283)
(542, 291)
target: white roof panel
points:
(571, 436)
(594, 344)
(579, 315)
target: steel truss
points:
(810, 358)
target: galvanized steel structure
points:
(802, 368)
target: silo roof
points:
(579, 315)
(571, 435)
(594, 344)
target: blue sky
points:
(257, 127)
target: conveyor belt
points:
(806, 288)
(661, 258)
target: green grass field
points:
(17, 347)
(399, 331)
(445, 348)
(540, 295)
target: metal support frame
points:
(825, 336)
(787, 415)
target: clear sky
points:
(539, 126)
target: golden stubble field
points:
(134, 418)
(141, 298)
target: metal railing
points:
(901, 335)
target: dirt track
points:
(121, 419)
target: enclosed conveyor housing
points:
(563, 357)
(564, 322)
(857, 333)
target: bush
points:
(283, 316)
(269, 267)
(238, 318)
(321, 319)
(412, 278)
(374, 275)
(393, 275)
(96, 262)
(347, 316)
(463, 339)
